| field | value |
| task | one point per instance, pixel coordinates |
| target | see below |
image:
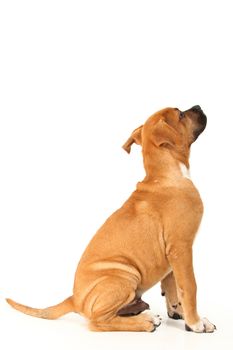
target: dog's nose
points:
(196, 108)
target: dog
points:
(148, 240)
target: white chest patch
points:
(185, 171)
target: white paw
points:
(155, 319)
(202, 326)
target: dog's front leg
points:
(169, 290)
(180, 259)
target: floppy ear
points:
(164, 134)
(136, 137)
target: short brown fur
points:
(149, 239)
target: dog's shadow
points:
(178, 324)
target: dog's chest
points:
(181, 199)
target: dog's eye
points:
(182, 115)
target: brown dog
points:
(149, 239)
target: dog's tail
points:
(50, 313)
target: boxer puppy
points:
(148, 240)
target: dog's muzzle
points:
(199, 120)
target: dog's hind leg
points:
(107, 299)
(168, 289)
(145, 322)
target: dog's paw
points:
(202, 326)
(154, 320)
(175, 311)
(174, 315)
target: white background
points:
(76, 78)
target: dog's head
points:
(171, 129)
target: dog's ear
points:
(164, 134)
(135, 137)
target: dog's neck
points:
(162, 164)
(185, 171)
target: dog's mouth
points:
(199, 120)
(202, 121)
